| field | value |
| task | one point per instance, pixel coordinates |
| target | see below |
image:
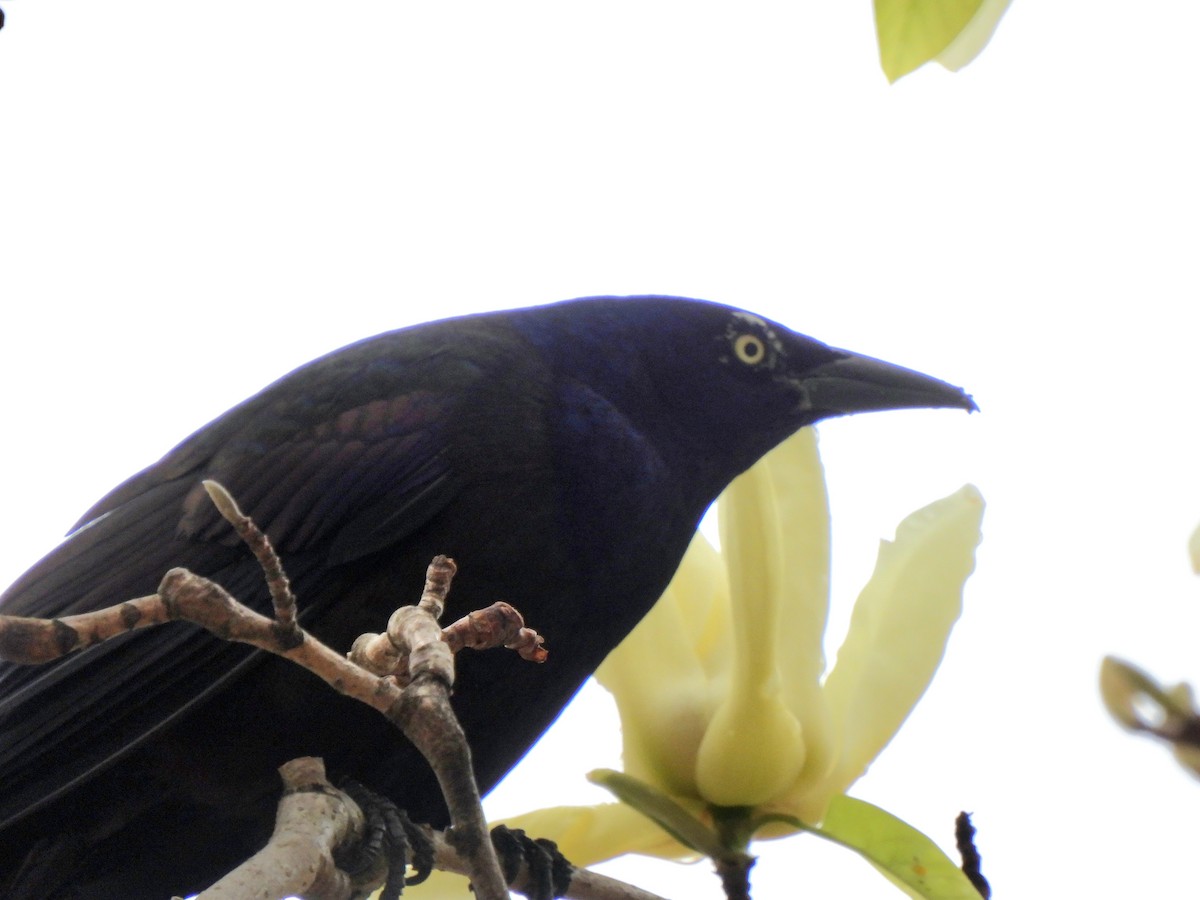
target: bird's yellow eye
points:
(750, 349)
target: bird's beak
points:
(857, 384)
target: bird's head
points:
(706, 372)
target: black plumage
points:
(562, 454)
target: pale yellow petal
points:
(899, 628)
(752, 545)
(1194, 550)
(587, 835)
(752, 751)
(660, 683)
(753, 747)
(798, 481)
(972, 39)
(912, 32)
(700, 590)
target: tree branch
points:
(312, 821)
(421, 708)
(406, 673)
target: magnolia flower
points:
(952, 32)
(722, 692)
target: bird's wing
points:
(345, 488)
(327, 491)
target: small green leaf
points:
(912, 32)
(657, 806)
(1140, 703)
(906, 856)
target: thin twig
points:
(972, 863)
(282, 598)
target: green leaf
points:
(665, 812)
(907, 857)
(912, 32)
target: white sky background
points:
(196, 198)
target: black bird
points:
(562, 454)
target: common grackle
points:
(562, 454)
